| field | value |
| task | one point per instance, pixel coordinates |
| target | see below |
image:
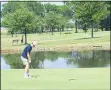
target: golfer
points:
(25, 57)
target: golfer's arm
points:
(28, 55)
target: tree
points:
(69, 11)
(51, 21)
(105, 23)
(49, 7)
(61, 22)
(21, 20)
(38, 24)
(55, 21)
(35, 7)
(8, 22)
(91, 12)
(10, 7)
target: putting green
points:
(76, 79)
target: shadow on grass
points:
(72, 79)
(18, 44)
(35, 76)
(86, 38)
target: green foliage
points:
(51, 19)
(91, 11)
(35, 7)
(14, 61)
(54, 20)
(19, 20)
(10, 7)
(61, 21)
(48, 7)
(35, 16)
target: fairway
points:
(61, 45)
(55, 79)
(48, 41)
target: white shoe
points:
(26, 76)
(29, 76)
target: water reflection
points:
(59, 63)
(90, 58)
(74, 59)
(3, 64)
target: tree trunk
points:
(97, 27)
(85, 28)
(62, 27)
(52, 30)
(106, 28)
(25, 36)
(42, 28)
(12, 34)
(93, 55)
(76, 26)
(102, 28)
(92, 30)
(60, 30)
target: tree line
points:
(34, 17)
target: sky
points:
(56, 3)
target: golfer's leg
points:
(26, 74)
(27, 68)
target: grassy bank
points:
(59, 41)
(55, 79)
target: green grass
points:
(46, 40)
(55, 79)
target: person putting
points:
(25, 57)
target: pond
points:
(49, 59)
